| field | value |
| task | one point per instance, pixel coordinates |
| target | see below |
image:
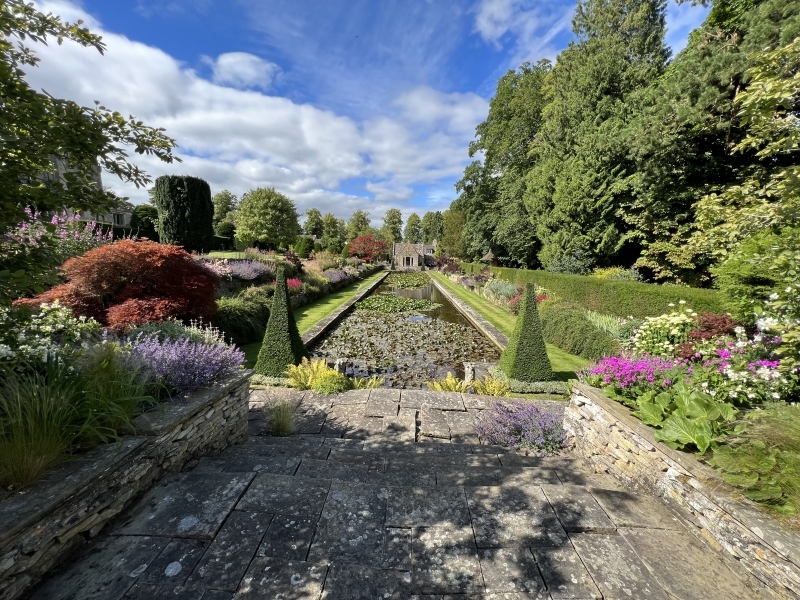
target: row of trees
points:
(617, 155)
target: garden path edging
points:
(612, 440)
(45, 522)
(498, 338)
(313, 335)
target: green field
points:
(309, 315)
(564, 364)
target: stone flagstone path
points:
(388, 495)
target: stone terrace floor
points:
(388, 495)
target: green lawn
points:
(564, 364)
(309, 315)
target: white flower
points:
(776, 395)
(671, 304)
(681, 301)
(773, 296)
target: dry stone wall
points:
(605, 433)
(42, 524)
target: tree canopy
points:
(432, 227)
(618, 155)
(267, 218)
(392, 229)
(313, 224)
(359, 224)
(413, 231)
(225, 203)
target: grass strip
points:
(309, 315)
(564, 364)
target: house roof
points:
(403, 247)
(488, 257)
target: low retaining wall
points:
(43, 523)
(607, 435)
(497, 337)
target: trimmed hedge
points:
(242, 319)
(573, 332)
(525, 357)
(282, 342)
(620, 298)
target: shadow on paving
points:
(353, 512)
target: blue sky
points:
(342, 105)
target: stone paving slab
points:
(270, 577)
(615, 568)
(351, 529)
(357, 582)
(711, 579)
(326, 469)
(246, 462)
(175, 563)
(577, 509)
(631, 510)
(107, 572)
(433, 423)
(513, 518)
(564, 574)
(397, 549)
(351, 397)
(192, 505)
(512, 570)
(445, 560)
(282, 494)
(381, 408)
(226, 560)
(288, 537)
(421, 507)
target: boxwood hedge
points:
(620, 298)
(242, 319)
(573, 332)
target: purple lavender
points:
(523, 426)
(184, 365)
(335, 275)
(249, 270)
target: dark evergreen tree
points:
(185, 212)
(525, 358)
(582, 160)
(282, 344)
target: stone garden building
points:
(412, 257)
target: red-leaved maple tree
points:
(132, 283)
(367, 247)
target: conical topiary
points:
(525, 357)
(282, 345)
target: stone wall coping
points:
(313, 335)
(168, 415)
(23, 509)
(776, 535)
(497, 337)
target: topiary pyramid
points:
(282, 345)
(525, 357)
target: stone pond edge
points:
(612, 440)
(313, 335)
(53, 517)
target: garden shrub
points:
(243, 319)
(558, 388)
(620, 298)
(282, 345)
(523, 426)
(282, 418)
(331, 383)
(131, 282)
(489, 386)
(184, 365)
(448, 384)
(303, 247)
(660, 336)
(525, 357)
(572, 331)
(185, 212)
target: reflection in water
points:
(407, 350)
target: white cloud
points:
(238, 139)
(681, 20)
(532, 25)
(242, 70)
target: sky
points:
(339, 104)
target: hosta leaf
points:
(698, 407)
(664, 399)
(686, 431)
(744, 480)
(764, 493)
(650, 414)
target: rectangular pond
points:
(406, 345)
